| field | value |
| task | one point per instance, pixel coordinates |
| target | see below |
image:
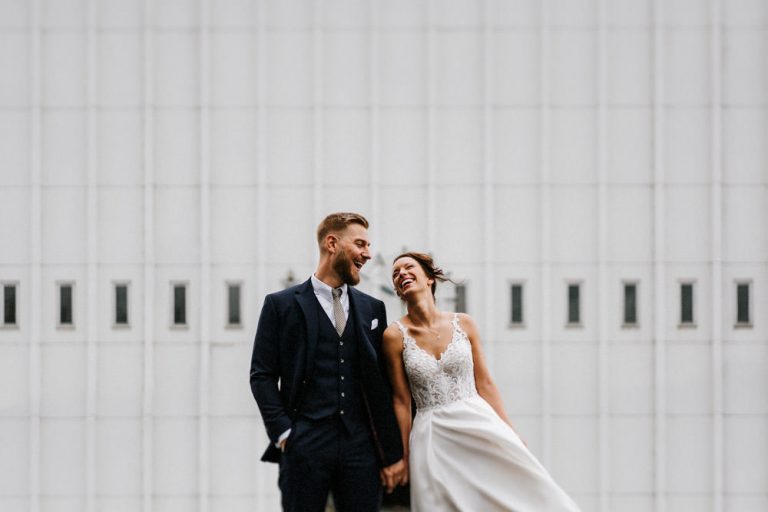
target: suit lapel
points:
(305, 296)
(361, 308)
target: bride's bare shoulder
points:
(392, 334)
(467, 323)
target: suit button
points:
(341, 411)
(304, 381)
(342, 360)
(342, 394)
(294, 410)
(342, 377)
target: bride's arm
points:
(486, 388)
(401, 392)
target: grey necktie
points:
(338, 311)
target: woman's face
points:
(408, 277)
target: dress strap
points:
(403, 330)
(455, 322)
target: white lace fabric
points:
(436, 382)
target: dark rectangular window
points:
(233, 304)
(517, 304)
(742, 304)
(65, 304)
(179, 304)
(461, 298)
(574, 304)
(686, 303)
(9, 304)
(121, 304)
(630, 304)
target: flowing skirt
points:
(463, 457)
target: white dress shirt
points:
(325, 298)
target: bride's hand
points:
(404, 475)
(394, 475)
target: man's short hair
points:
(337, 222)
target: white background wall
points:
(543, 141)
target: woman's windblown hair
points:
(427, 264)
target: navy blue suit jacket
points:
(283, 357)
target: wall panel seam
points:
(260, 288)
(203, 458)
(36, 285)
(150, 288)
(92, 278)
(660, 452)
(717, 255)
(318, 110)
(545, 232)
(603, 430)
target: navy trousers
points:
(323, 456)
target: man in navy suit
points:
(317, 377)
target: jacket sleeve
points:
(388, 429)
(265, 372)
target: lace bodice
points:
(436, 382)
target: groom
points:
(318, 382)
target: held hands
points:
(394, 475)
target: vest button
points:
(342, 377)
(342, 394)
(342, 360)
(341, 343)
(341, 411)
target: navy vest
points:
(334, 386)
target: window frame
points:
(749, 283)
(456, 300)
(523, 304)
(694, 314)
(227, 285)
(172, 300)
(3, 323)
(624, 284)
(127, 284)
(579, 324)
(59, 285)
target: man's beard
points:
(343, 267)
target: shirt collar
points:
(323, 289)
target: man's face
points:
(352, 253)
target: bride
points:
(461, 449)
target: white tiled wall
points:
(542, 142)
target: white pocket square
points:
(374, 323)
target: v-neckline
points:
(440, 356)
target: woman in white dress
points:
(462, 451)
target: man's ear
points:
(331, 242)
